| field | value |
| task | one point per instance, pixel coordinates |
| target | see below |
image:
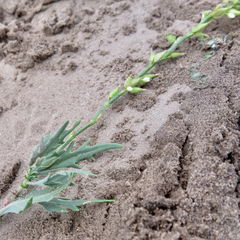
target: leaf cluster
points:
(52, 166)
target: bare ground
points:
(177, 176)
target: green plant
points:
(53, 164)
(216, 42)
(198, 77)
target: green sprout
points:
(53, 163)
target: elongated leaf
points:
(219, 12)
(69, 172)
(50, 207)
(206, 13)
(47, 144)
(202, 38)
(17, 206)
(57, 205)
(159, 56)
(44, 195)
(69, 159)
(50, 143)
(51, 180)
(55, 180)
(175, 54)
(199, 27)
(82, 153)
(152, 57)
(199, 34)
(29, 203)
(40, 182)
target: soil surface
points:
(178, 175)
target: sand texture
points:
(177, 176)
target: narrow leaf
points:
(158, 57)
(207, 56)
(206, 13)
(46, 194)
(56, 204)
(127, 83)
(219, 13)
(199, 34)
(152, 57)
(175, 54)
(211, 42)
(66, 132)
(198, 27)
(50, 143)
(50, 207)
(68, 159)
(47, 145)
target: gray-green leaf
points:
(44, 195)
(68, 159)
(50, 143)
(57, 205)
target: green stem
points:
(145, 71)
(107, 104)
(176, 44)
(94, 119)
(169, 51)
(97, 116)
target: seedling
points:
(53, 163)
(217, 42)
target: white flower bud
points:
(231, 15)
(129, 88)
(147, 79)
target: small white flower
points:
(231, 15)
(147, 79)
(129, 88)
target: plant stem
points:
(107, 104)
(97, 116)
(94, 119)
(169, 51)
(208, 18)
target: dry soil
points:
(177, 176)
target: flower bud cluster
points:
(228, 8)
(134, 85)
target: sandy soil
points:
(177, 176)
